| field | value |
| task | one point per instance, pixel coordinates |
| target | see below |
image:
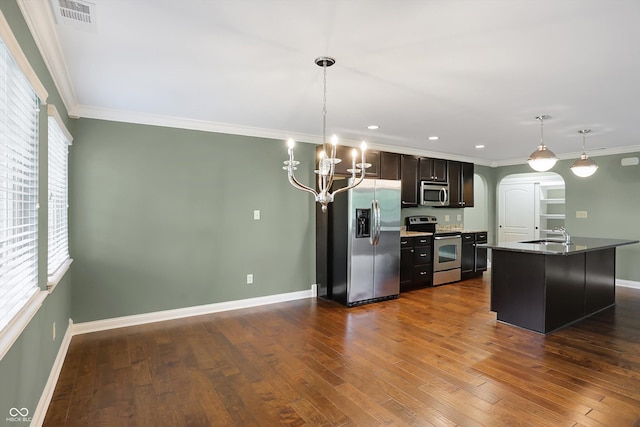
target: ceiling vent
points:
(76, 13)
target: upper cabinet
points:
(411, 170)
(460, 184)
(409, 174)
(433, 169)
(389, 165)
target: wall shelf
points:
(550, 207)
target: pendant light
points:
(542, 159)
(328, 159)
(584, 166)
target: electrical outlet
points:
(581, 214)
(54, 331)
(446, 218)
(249, 279)
(256, 215)
(459, 217)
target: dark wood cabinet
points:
(460, 184)
(433, 169)
(373, 157)
(468, 252)
(389, 165)
(416, 262)
(474, 258)
(543, 292)
(411, 170)
(409, 175)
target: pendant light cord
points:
(324, 107)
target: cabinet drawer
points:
(481, 237)
(468, 237)
(423, 276)
(422, 241)
(422, 255)
(406, 242)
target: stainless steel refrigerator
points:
(360, 260)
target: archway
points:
(530, 206)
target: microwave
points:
(432, 194)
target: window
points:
(20, 94)
(18, 188)
(58, 155)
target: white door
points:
(516, 212)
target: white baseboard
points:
(159, 316)
(628, 283)
(43, 404)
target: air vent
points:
(79, 14)
(75, 10)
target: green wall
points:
(611, 198)
(25, 368)
(162, 218)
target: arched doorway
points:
(530, 206)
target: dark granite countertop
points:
(557, 247)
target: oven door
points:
(434, 194)
(447, 252)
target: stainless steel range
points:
(447, 248)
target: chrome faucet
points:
(565, 234)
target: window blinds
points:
(18, 188)
(58, 241)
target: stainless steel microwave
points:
(432, 194)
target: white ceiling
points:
(472, 72)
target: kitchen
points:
(415, 250)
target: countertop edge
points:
(560, 249)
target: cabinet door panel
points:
(423, 276)
(389, 165)
(409, 174)
(467, 184)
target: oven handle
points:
(446, 237)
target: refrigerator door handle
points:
(375, 210)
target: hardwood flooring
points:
(433, 357)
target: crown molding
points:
(576, 155)
(37, 14)
(98, 113)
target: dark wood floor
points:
(432, 357)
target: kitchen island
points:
(545, 285)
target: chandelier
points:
(584, 166)
(542, 159)
(327, 158)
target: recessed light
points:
(434, 138)
(373, 127)
(479, 146)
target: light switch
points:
(459, 217)
(256, 214)
(446, 218)
(581, 214)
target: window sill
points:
(55, 278)
(12, 331)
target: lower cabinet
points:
(474, 258)
(416, 262)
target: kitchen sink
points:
(545, 242)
